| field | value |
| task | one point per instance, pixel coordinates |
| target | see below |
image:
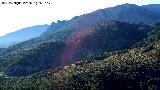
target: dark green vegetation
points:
(152, 37)
(109, 36)
(43, 57)
(89, 52)
(132, 69)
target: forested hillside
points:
(136, 68)
(108, 49)
(104, 37)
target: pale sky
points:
(14, 17)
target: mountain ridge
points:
(89, 20)
(22, 35)
(125, 13)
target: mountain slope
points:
(87, 34)
(107, 36)
(22, 35)
(153, 36)
(132, 69)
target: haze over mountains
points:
(97, 50)
(22, 35)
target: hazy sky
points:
(14, 17)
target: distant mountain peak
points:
(128, 5)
